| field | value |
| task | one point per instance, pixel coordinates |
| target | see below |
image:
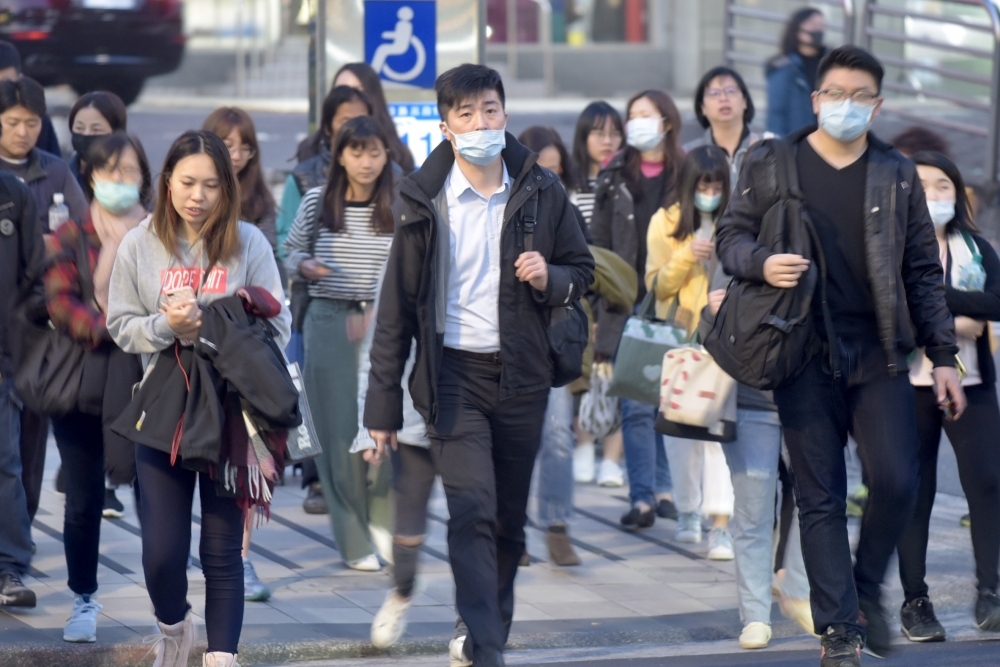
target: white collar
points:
(458, 184)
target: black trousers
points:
(34, 437)
(413, 478)
(817, 413)
(484, 449)
(976, 440)
(167, 496)
(81, 448)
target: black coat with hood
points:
(412, 305)
(901, 249)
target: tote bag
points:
(697, 398)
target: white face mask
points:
(942, 211)
(845, 120)
(480, 147)
(643, 134)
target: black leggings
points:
(167, 495)
(976, 440)
(81, 448)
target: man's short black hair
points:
(850, 57)
(24, 92)
(699, 94)
(466, 81)
(9, 56)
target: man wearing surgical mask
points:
(885, 296)
(462, 280)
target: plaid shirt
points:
(83, 321)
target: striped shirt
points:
(585, 201)
(355, 254)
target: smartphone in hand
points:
(179, 295)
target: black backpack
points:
(764, 336)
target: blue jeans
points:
(645, 457)
(555, 460)
(753, 464)
(15, 529)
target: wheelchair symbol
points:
(401, 39)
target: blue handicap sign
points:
(401, 41)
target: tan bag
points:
(695, 391)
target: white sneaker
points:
(82, 624)
(367, 564)
(456, 653)
(755, 635)
(390, 621)
(610, 474)
(219, 659)
(173, 644)
(688, 528)
(720, 545)
(584, 465)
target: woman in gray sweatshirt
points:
(193, 250)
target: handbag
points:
(50, 377)
(600, 414)
(696, 393)
(639, 360)
(299, 298)
(303, 441)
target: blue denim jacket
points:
(789, 96)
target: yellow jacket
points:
(677, 272)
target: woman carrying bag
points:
(339, 242)
(678, 269)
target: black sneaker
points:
(636, 518)
(879, 641)
(315, 503)
(919, 623)
(60, 481)
(13, 592)
(665, 509)
(840, 647)
(988, 611)
(113, 508)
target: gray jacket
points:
(735, 161)
(45, 175)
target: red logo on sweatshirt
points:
(178, 277)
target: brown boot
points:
(560, 548)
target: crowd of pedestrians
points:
(463, 321)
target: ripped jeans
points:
(555, 460)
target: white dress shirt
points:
(472, 317)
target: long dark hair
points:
(368, 77)
(964, 219)
(594, 117)
(671, 146)
(221, 233)
(256, 200)
(107, 104)
(703, 164)
(537, 138)
(337, 96)
(361, 132)
(790, 37)
(105, 152)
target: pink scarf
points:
(111, 229)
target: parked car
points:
(95, 44)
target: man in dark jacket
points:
(10, 70)
(459, 280)
(885, 291)
(22, 262)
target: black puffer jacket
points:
(901, 250)
(410, 299)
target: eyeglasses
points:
(243, 151)
(859, 96)
(716, 93)
(125, 173)
(612, 135)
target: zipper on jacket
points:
(890, 343)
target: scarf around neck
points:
(111, 229)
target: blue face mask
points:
(481, 147)
(707, 203)
(845, 120)
(116, 197)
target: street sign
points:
(419, 126)
(401, 41)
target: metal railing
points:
(753, 35)
(937, 57)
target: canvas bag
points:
(303, 441)
(697, 397)
(600, 414)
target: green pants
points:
(356, 494)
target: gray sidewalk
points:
(640, 589)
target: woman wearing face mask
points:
(972, 285)
(680, 263)
(93, 115)
(635, 184)
(339, 243)
(791, 75)
(117, 178)
(194, 240)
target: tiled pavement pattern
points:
(633, 588)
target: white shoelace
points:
(154, 642)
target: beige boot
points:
(219, 659)
(173, 644)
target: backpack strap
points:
(786, 170)
(529, 217)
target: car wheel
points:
(127, 88)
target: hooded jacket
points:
(901, 250)
(412, 302)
